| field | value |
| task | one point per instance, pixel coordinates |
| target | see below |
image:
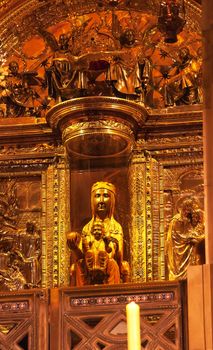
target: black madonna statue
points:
(98, 251)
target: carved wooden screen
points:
(94, 318)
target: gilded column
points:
(157, 202)
(63, 221)
(47, 225)
(138, 234)
(146, 228)
(55, 223)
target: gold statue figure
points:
(185, 239)
(99, 250)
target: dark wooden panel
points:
(24, 320)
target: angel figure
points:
(70, 76)
(129, 74)
(185, 85)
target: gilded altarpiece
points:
(102, 68)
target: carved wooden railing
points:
(92, 318)
(24, 320)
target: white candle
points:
(133, 326)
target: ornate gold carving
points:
(191, 156)
(194, 140)
(173, 178)
(99, 124)
(44, 148)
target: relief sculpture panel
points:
(184, 220)
(20, 234)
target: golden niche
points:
(98, 251)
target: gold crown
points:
(103, 185)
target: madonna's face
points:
(102, 201)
